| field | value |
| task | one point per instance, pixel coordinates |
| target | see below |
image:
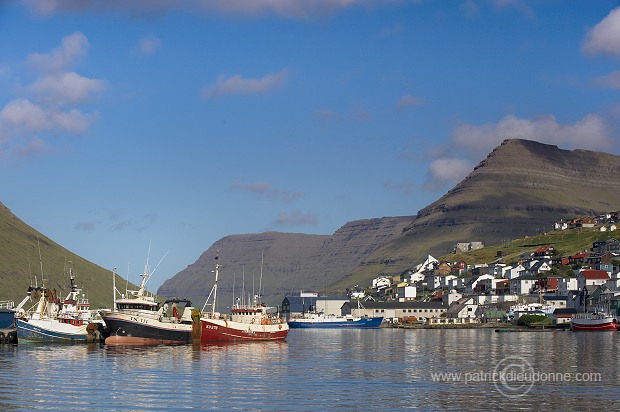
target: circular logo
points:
(513, 377)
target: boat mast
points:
(260, 280)
(113, 290)
(217, 272)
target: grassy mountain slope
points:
(26, 253)
(520, 189)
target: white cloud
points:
(447, 171)
(65, 88)
(408, 100)
(604, 38)
(71, 49)
(149, 45)
(52, 107)
(22, 116)
(473, 142)
(238, 85)
(611, 81)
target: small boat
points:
(8, 330)
(253, 322)
(593, 321)
(530, 309)
(51, 320)
(320, 320)
(137, 318)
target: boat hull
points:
(35, 330)
(364, 323)
(131, 330)
(603, 326)
(219, 330)
(7, 318)
(596, 322)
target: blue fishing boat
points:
(319, 320)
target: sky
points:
(146, 130)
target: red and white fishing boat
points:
(246, 322)
(594, 321)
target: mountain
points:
(291, 262)
(520, 189)
(26, 254)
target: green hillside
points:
(565, 243)
(25, 254)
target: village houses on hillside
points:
(441, 292)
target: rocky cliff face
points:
(521, 188)
(291, 262)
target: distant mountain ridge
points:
(521, 188)
(292, 262)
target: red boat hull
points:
(607, 326)
(223, 331)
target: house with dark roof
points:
(463, 308)
(562, 315)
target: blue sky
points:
(125, 124)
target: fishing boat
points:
(53, 320)
(320, 320)
(137, 318)
(516, 311)
(593, 321)
(597, 319)
(254, 322)
(8, 331)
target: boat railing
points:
(7, 304)
(590, 316)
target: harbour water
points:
(382, 369)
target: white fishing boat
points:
(137, 318)
(593, 321)
(530, 309)
(52, 320)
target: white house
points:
(381, 283)
(330, 305)
(406, 292)
(511, 272)
(433, 281)
(448, 298)
(591, 277)
(566, 284)
(522, 285)
(447, 280)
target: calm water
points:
(323, 370)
